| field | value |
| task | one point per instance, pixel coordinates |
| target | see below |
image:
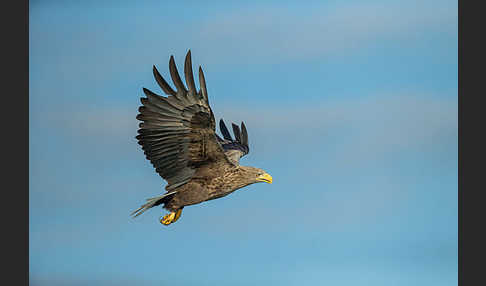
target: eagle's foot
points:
(168, 218)
(171, 218)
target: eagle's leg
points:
(171, 218)
(178, 214)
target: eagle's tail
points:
(152, 202)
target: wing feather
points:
(224, 130)
(244, 136)
(162, 83)
(234, 149)
(177, 133)
(188, 74)
(236, 131)
(175, 76)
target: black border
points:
(15, 115)
(471, 143)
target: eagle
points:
(178, 136)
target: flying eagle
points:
(178, 136)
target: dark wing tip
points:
(224, 130)
(188, 73)
(162, 83)
(202, 85)
(174, 74)
(244, 135)
(149, 93)
(236, 131)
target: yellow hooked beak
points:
(265, 178)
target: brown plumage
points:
(177, 134)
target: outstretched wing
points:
(177, 132)
(234, 149)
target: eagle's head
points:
(256, 175)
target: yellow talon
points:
(168, 218)
(171, 218)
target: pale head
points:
(256, 175)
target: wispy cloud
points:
(258, 33)
(368, 127)
(276, 33)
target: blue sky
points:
(351, 106)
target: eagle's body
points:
(205, 186)
(178, 136)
